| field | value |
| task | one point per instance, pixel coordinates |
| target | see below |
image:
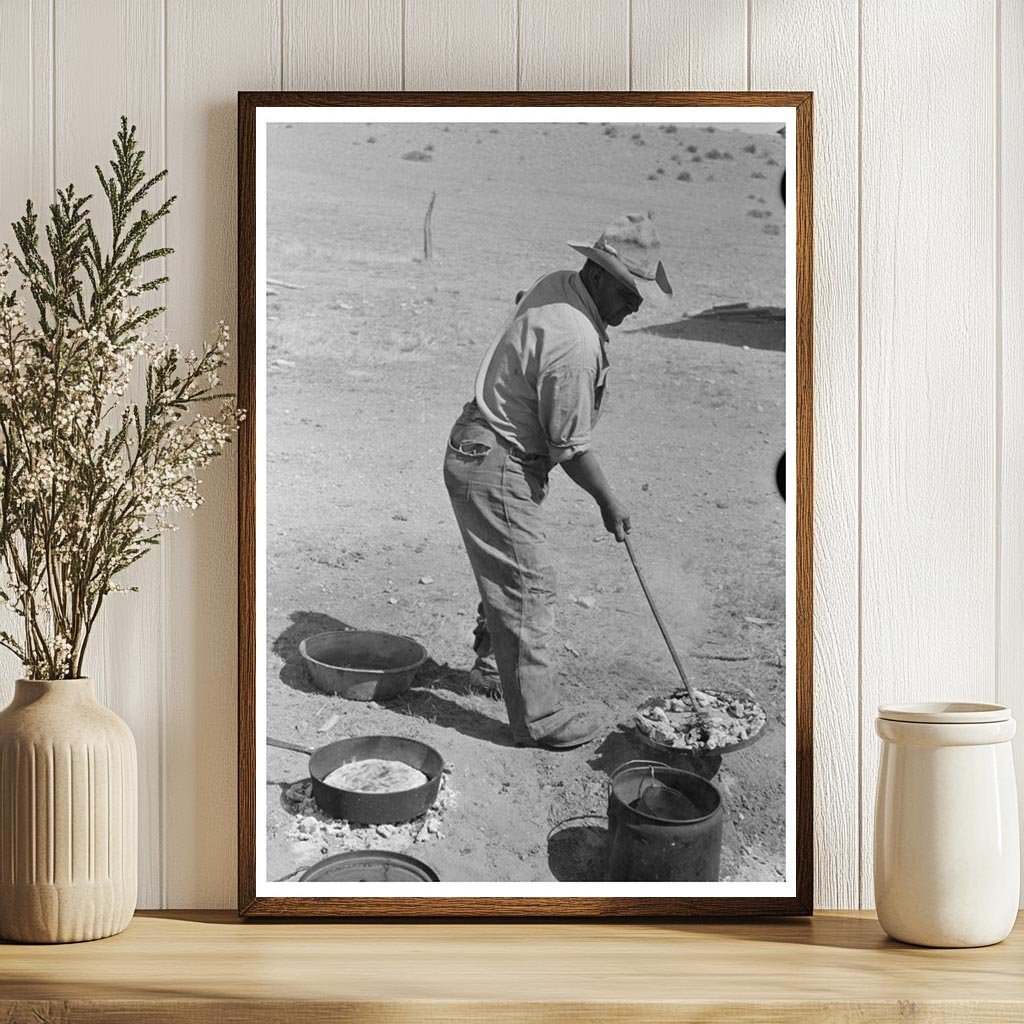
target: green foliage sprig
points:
(89, 478)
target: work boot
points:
(575, 731)
(484, 678)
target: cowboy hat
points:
(629, 249)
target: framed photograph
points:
(524, 569)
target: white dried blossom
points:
(103, 428)
(78, 461)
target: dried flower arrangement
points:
(89, 477)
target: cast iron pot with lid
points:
(371, 808)
(370, 866)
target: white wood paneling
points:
(1010, 254)
(689, 44)
(343, 44)
(460, 44)
(928, 403)
(919, 573)
(779, 61)
(26, 170)
(122, 657)
(213, 51)
(574, 44)
(26, 76)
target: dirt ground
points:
(369, 360)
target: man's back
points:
(536, 383)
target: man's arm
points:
(585, 471)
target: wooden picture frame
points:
(256, 897)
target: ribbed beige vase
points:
(68, 815)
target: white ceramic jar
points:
(947, 847)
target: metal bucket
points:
(664, 825)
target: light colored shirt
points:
(541, 382)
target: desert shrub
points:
(675, 158)
(757, 174)
(759, 213)
(691, 149)
(695, 160)
(750, 149)
(727, 155)
(637, 138)
(418, 155)
(713, 154)
(660, 170)
(771, 229)
(652, 177)
(771, 162)
(428, 148)
(670, 129)
(371, 139)
(708, 128)
(684, 176)
(611, 131)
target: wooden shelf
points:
(203, 967)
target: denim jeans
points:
(496, 495)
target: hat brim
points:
(655, 290)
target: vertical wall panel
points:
(26, 168)
(342, 44)
(1011, 316)
(124, 655)
(213, 51)
(574, 44)
(460, 44)
(689, 44)
(941, 593)
(26, 69)
(928, 542)
(830, 70)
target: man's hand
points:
(585, 470)
(616, 519)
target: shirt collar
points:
(588, 304)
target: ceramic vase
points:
(947, 847)
(68, 815)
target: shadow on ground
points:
(767, 332)
(286, 646)
(578, 851)
(431, 699)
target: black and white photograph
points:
(524, 567)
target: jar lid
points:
(370, 866)
(945, 712)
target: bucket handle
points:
(650, 782)
(639, 761)
(635, 763)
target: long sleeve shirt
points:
(541, 383)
